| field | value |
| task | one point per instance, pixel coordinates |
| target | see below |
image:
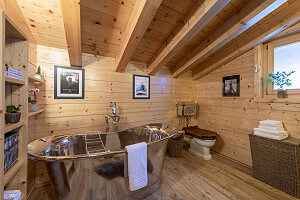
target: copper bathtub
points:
(78, 175)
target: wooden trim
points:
(35, 80)
(270, 28)
(10, 127)
(35, 113)
(140, 18)
(258, 62)
(13, 171)
(249, 15)
(199, 16)
(71, 17)
(14, 81)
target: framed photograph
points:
(231, 86)
(68, 82)
(141, 87)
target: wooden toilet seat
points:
(199, 133)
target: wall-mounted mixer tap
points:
(114, 116)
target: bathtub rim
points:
(83, 156)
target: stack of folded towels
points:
(271, 129)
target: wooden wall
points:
(102, 86)
(235, 118)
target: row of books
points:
(11, 146)
(13, 73)
(12, 195)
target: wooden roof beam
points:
(284, 19)
(249, 15)
(71, 18)
(140, 18)
(202, 13)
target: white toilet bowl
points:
(201, 148)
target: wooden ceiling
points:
(182, 35)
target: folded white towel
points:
(137, 165)
(273, 132)
(271, 123)
(273, 128)
(274, 137)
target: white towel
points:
(273, 132)
(272, 128)
(137, 165)
(271, 123)
(274, 137)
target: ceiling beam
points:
(282, 20)
(71, 18)
(202, 13)
(16, 18)
(249, 15)
(140, 18)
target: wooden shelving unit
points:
(14, 81)
(35, 113)
(14, 54)
(10, 127)
(35, 80)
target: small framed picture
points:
(141, 87)
(231, 86)
(68, 82)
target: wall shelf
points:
(13, 171)
(14, 81)
(35, 80)
(35, 113)
(10, 127)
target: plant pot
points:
(38, 76)
(281, 93)
(33, 107)
(12, 117)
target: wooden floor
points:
(192, 178)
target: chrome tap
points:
(114, 116)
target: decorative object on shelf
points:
(231, 86)
(13, 73)
(280, 79)
(38, 74)
(11, 146)
(68, 83)
(141, 87)
(33, 106)
(12, 114)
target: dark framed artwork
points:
(141, 87)
(231, 86)
(68, 82)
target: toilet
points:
(201, 141)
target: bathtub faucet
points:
(114, 116)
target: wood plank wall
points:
(235, 118)
(102, 86)
(63, 116)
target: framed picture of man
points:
(141, 87)
(231, 86)
(68, 82)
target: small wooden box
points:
(277, 163)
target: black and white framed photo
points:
(231, 86)
(141, 87)
(68, 82)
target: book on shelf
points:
(12, 195)
(11, 146)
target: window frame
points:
(270, 60)
(264, 64)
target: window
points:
(287, 58)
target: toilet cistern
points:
(114, 116)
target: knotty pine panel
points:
(235, 117)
